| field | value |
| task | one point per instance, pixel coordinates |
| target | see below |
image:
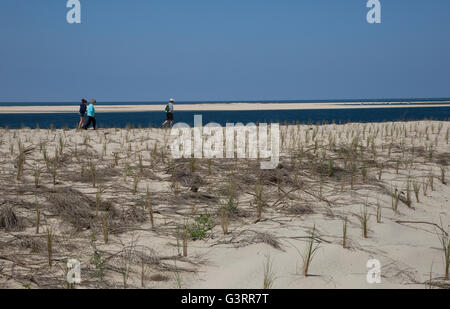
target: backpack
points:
(167, 108)
(83, 109)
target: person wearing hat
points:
(169, 114)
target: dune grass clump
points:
(38, 216)
(445, 243)
(37, 176)
(224, 220)
(259, 201)
(127, 256)
(269, 274)
(311, 250)
(443, 170)
(431, 180)
(53, 165)
(8, 218)
(20, 160)
(149, 207)
(378, 211)
(408, 193)
(380, 170)
(93, 174)
(105, 228)
(141, 164)
(416, 187)
(344, 233)
(232, 202)
(395, 198)
(185, 237)
(116, 159)
(49, 234)
(136, 179)
(98, 198)
(364, 218)
(425, 187)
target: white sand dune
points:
(405, 242)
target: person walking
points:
(91, 115)
(83, 108)
(169, 114)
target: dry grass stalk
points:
(37, 176)
(93, 174)
(416, 187)
(224, 220)
(378, 211)
(445, 243)
(50, 246)
(149, 207)
(98, 198)
(105, 227)
(395, 198)
(344, 233)
(185, 241)
(38, 216)
(136, 180)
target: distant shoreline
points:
(220, 107)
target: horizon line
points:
(253, 101)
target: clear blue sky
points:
(151, 50)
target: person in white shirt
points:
(169, 114)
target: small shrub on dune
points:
(201, 226)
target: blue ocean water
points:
(154, 119)
(411, 101)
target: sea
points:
(411, 109)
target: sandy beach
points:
(214, 107)
(116, 201)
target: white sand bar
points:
(215, 107)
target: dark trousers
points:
(89, 121)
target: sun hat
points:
(171, 100)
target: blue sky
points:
(150, 50)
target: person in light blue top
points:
(91, 115)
